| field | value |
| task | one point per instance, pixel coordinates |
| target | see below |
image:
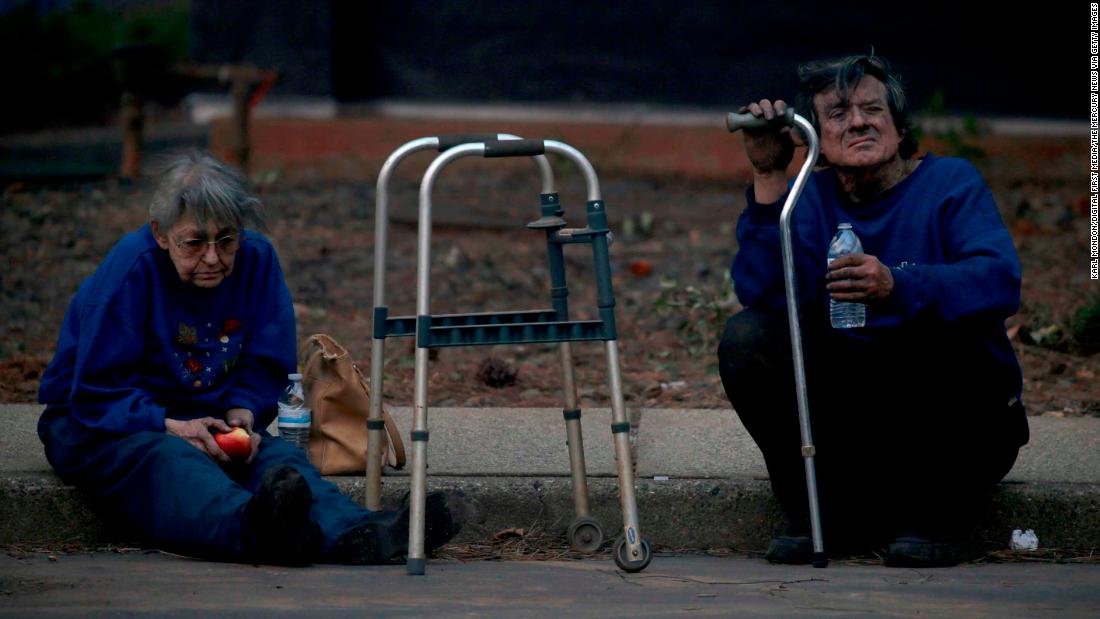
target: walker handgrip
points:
(514, 148)
(450, 141)
(736, 121)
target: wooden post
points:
(247, 87)
(133, 134)
(240, 93)
(134, 66)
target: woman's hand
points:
(197, 433)
(243, 418)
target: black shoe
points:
(918, 551)
(790, 550)
(373, 543)
(444, 516)
(385, 538)
(277, 528)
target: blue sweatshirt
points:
(938, 231)
(138, 345)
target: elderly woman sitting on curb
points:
(187, 329)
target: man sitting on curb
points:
(916, 415)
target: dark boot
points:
(790, 550)
(373, 543)
(445, 516)
(920, 551)
(385, 539)
(277, 528)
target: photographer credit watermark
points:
(1094, 138)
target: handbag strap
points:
(392, 431)
(395, 440)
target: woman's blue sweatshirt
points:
(138, 345)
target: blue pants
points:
(176, 496)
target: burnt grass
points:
(673, 243)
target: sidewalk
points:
(135, 584)
(701, 480)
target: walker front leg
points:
(418, 484)
(584, 533)
(632, 553)
(376, 427)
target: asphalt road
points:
(139, 584)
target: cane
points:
(735, 122)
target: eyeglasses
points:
(225, 246)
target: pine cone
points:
(496, 372)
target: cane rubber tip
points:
(415, 567)
(820, 560)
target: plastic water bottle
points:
(294, 414)
(845, 315)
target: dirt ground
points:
(673, 244)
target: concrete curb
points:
(701, 481)
(39, 510)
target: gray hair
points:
(197, 183)
(844, 74)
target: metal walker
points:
(401, 326)
(632, 553)
(736, 122)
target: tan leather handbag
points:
(339, 399)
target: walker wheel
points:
(585, 534)
(635, 564)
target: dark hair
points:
(844, 74)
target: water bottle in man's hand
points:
(844, 315)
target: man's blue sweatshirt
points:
(938, 231)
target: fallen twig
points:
(529, 544)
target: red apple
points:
(235, 443)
